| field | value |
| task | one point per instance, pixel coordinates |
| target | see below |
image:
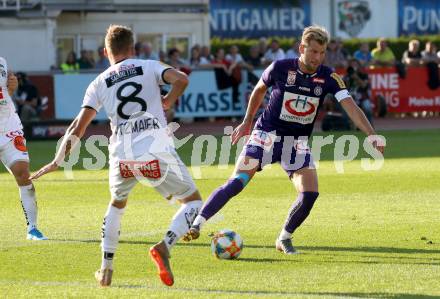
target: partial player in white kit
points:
(140, 147)
(13, 151)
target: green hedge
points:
(398, 45)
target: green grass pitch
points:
(371, 234)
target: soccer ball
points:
(226, 245)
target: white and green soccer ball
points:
(227, 245)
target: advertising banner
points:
(409, 94)
(255, 19)
(419, 17)
(69, 95)
(365, 18)
(205, 98)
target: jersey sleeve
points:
(337, 87)
(91, 98)
(267, 76)
(159, 69)
(3, 72)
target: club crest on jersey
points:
(291, 78)
(318, 90)
(299, 108)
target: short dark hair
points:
(119, 39)
(172, 51)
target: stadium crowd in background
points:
(228, 64)
(260, 55)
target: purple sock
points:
(220, 197)
(300, 210)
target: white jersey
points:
(9, 120)
(130, 94)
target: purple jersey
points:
(296, 97)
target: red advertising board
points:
(408, 94)
(45, 86)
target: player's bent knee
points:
(120, 204)
(195, 196)
(22, 178)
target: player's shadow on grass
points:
(370, 295)
(370, 249)
(280, 293)
(263, 260)
(304, 249)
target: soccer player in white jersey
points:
(129, 90)
(13, 151)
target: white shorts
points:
(14, 150)
(163, 171)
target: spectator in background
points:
(340, 47)
(138, 51)
(274, 53)
(227, 74)
(429, 54)
(431, 61)
(254, 59)
(147, 52)
(382, 54)
(412, 56)
(363, 55)
(293, 52)
(196, 60)
(359, 87)
(234, 56)
(176, 61)
(205, 52)
(334, 57)
(27, 99)
(85, 61)
(220, 62)
(262, 46)
(162, 56)
(103, 62)
(70, 66)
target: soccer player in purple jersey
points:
(298, 89)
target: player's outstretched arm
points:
(74, 133)
(255, 101)
(12, 83)
(179, 81)
(360, 120)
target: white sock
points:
(181, 222)
(29, 204)
(200, 220)
(284, 235)
(110, 234)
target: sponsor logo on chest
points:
(299, 108)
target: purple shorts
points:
(267, 148)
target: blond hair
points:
(415, 42)
(119, 39)
(316, 33)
